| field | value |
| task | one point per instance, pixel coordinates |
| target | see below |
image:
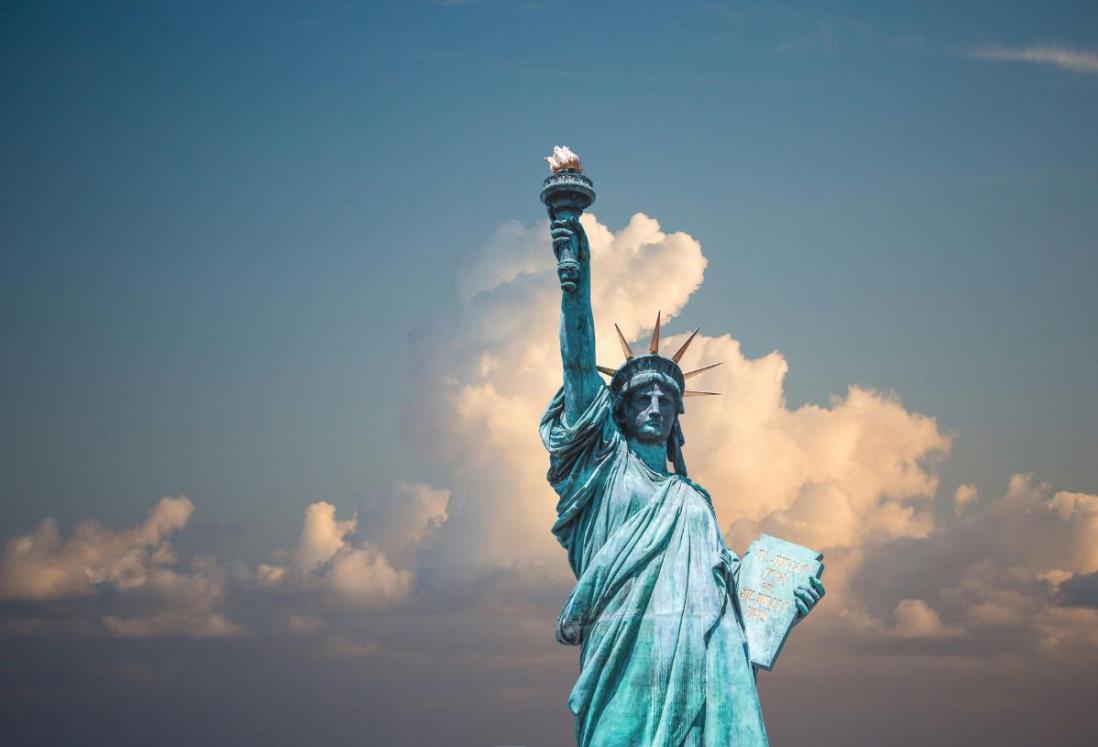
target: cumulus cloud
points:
(1014, 572)
(1065, 58)
(484, 377)
(399, 519)
(368, 564)
(363, 576)
(835, 477)
(355, 574)
(321, 535)
(41, 565)
(338, 563)
(136, 562)
(177, 604)
(915, 619)
(858, 470)
(854, 477)
(964, 496)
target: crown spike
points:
(678, 356)
(624, 345)
(608, 371)
(697, 371)
(696, 393)
(654, 346)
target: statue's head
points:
(649, 408)
(648, 392)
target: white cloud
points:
(135, 562)
(400, 518)
(964, 496)
(353, 571)
(321, 535)
(830, 477)
(485, 376)
(995, 574)
(43, 566)
(1066, 58)
(270, 574)
(362, 576)
(915, 619)
(855, 478)
(180, 604)
(858, 470)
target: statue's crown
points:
(653, 362)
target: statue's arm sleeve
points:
(577, 337)
(581, 455)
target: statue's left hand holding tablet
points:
(806, 597)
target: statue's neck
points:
(653, 455)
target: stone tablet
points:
(771, 570)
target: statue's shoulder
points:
(696, 486)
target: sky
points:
(278, 315)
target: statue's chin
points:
(646, 436)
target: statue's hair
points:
(643, 369)
(643, 377)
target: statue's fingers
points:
(562, 231)
(817, 584)
(558, 240)
(802, 608)
(805, 596)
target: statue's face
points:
(650, 412)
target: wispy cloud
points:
(1066, 58)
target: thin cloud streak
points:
(1077, 61)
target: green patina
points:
(664, 657)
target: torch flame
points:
(563, 158)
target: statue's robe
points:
(664, 660)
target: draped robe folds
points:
(664, 661)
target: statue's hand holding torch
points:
(566, 193)
(572, 250)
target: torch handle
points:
(569, 258)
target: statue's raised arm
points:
(566, 193)
(577, 327)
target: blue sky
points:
(226, 226)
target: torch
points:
(566, 193)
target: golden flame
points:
(563, 158)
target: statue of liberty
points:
(664, 659)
